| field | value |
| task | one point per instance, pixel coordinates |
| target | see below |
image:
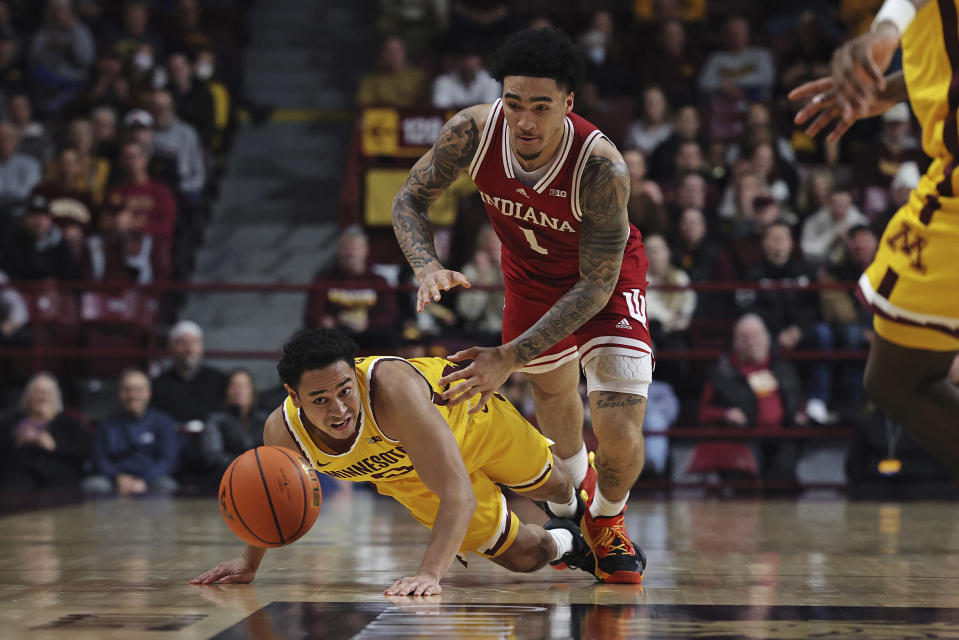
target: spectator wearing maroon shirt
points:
(152, 203)
(352, 298)
(751, 387)
(121, 253)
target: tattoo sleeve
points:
(429, 177)
(604, 192)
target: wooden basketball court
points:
(717, 569)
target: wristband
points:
(898, 12)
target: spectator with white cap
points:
(190, 391)
(138, 125)
(907, 179)
(187, 389)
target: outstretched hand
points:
(418, 585)
(491, 367)
(851, 92)
(432, 283)
(824, 107)
(231, 571)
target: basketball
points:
(269, 496)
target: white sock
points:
(578, 465)
(563, 509)
(602, 507)
(563, 540)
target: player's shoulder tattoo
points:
(604, 187)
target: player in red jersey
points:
(555, 190)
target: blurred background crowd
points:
(116, 123)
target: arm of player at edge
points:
(857, 88)
(405, 411)
(604, 231)
(243, 569)
(431, 176)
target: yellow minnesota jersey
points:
(375, 457)
(912, 286)
(497, 444)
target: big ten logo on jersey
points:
(559, 193)
(909, 242)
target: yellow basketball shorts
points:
(912, 285)
(500, 447)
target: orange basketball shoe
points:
(617, 560)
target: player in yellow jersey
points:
(912, 286)
(383, 420)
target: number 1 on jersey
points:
(531, 239)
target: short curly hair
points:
(313, 349)
(540, 53)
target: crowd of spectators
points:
(115, 120)
(724, 187)
(114, 125)
(177, 430)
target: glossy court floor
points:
(717, 569)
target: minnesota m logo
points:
(908, 241)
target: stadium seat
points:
(723, 456)
(116, 320)
(55, 323)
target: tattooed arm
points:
(604, 192)
(429, 177)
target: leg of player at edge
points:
(617, 422)
(912, 387)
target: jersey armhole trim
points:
(296, 438)
(370, 390)
(584, 154)
(485, 138)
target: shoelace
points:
(614, 538)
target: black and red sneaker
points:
(617, 560)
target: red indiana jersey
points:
(539, 228)
(539, 225)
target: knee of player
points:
(622, 430)
(532, 550)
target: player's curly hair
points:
(313, 349)
(540, 53)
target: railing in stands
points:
(38, 351)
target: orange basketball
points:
(269, 496)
